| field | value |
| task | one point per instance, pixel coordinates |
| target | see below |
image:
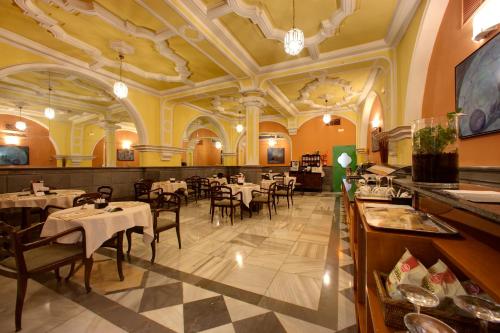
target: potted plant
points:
(435, 151)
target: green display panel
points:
(338, 172)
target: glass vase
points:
(435, 151)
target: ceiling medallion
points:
(294, 38)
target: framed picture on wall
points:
(375, 141)
(124, 155)
(477, 90)
(14, 155)
(275, 155)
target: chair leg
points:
(178, 231)
(269, 208)
(241, 211)
(58, 275)
(119, 255)
(153, 251)
(232, 215)
(22, 284)
(213, 211)
(274, 204)
(291, 197)
(71, 272)
(288, 201)
(88, 269)
(128, 233)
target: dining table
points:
(169, 186)
(101, 225)
(222, 181)
(26, 201)
(265, 183)
(246, 191)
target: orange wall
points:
(314, 135)
(98, 152)
(454, 44)
(376, 112)
(41, 150)
(268, 126)
(205, 152)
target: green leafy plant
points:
(434, 139)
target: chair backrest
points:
(169, 200)
(141, 188)
(86, 198)
(205, 182)
(106, 192)
(148, 182)
(220, 192)
(214, 183)
(290, 184)
(280, 180)
(271, 190)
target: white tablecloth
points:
(246, 191)
(265, 183)
(100, 225)
(63, 198)
(168, 186)
(222, 181)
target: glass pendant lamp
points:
(120, 88)
(294, 38)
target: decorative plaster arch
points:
(365, 119)
(54, 143)
(280, 122)
(89, 75)
(285, 136)
(419, 66)
(222, 132)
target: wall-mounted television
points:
(14, 155)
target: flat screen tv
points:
(14, 155)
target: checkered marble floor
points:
(290, 274)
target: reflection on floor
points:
(289, 274)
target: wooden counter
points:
(474, 254)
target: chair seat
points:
(165, 220)
(226, 202)
(281, 192)
(45, 255)
(260, 199)
(190, 190)
(153, 195)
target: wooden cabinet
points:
(311, 181)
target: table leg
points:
(25, 217)
(119, 254)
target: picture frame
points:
(476, 91)
(294, 165)
(375, 140)
(14, 155)
(125, 155)
(275, 155)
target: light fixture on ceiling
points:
(20, 125)
(49, 112)
(272, 142)
(294, 38)
(218, 145)
(327, 118)
(486, 20)
(239, 127)
(120, 88)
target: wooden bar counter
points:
(472, 255)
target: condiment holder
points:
(100, 203)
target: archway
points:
(124, 139)
(210, 123)
(88, 75)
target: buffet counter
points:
(470, 254)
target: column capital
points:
(256, 101)
(109, 125)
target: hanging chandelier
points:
(327, 118)
(239, 127)
(294, 38)
(120, 88)
(20, 125)
(49, 112)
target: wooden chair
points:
(166, 216)
(284, 191)
(24, 261)
(264, 197)
(106, 192)
(205, 187)
(222, 197)
(144, 193)
(212, 184)
(83, 199)
(191, 191)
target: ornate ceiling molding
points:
(72, 6)
(260, 17)
(305, 93)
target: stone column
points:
(109, 142)
(253, 107)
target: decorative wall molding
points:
(405, 10)
(305, 93)
(167, 152)
(396, 134)
(75, 159)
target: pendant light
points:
(326, 117)
(120, 88)
(239, 127)
(20, 125)
(49, 112)
(294, 38)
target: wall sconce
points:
(486, 19)
(126, 144)
(272, 142)
(12, 140)
(376, 122)
(218, 145)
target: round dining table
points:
(26, 201)
(168, 186)
(246, 191)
